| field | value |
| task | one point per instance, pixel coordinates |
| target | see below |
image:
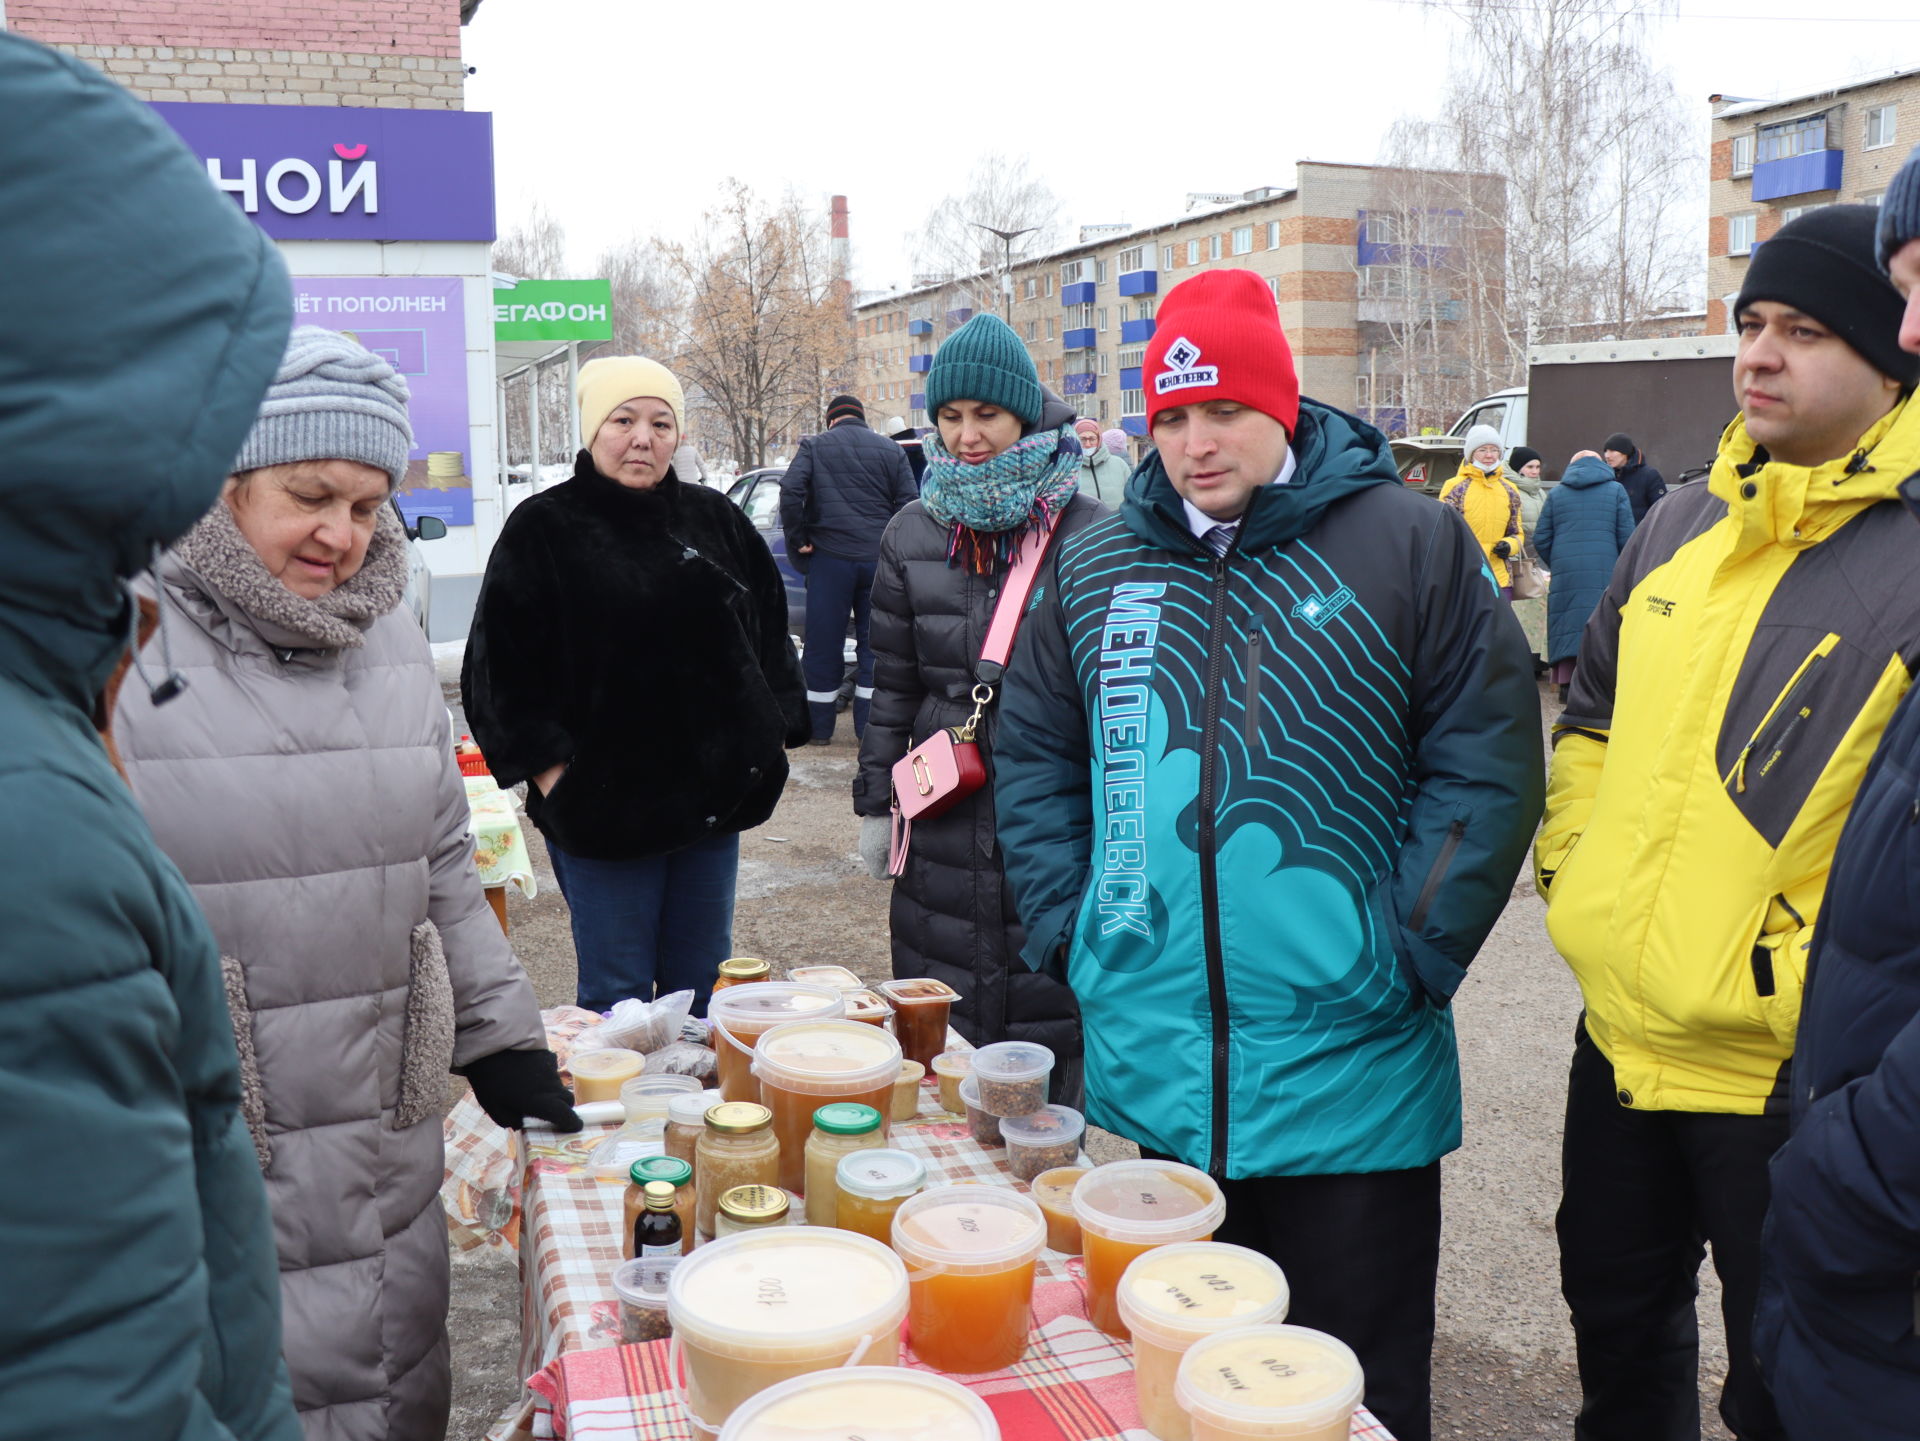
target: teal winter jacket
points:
(1269, 805)
(139, 1294)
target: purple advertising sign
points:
(307, 172)
(419, 326)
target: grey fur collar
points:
(226, 564)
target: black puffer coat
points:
(953, 917)
(843, 487)
(639, 636)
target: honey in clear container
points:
(870, 1188)
(1127, 1208)
(970, 1252)
(1052, 1192)
(838, 1130)
(739, 1149)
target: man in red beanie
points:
(1268, 759)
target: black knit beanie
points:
(1621, 442)
(1520, 457)
(1900, 210)
(843, 406)
(1823, 265)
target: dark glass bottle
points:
(656, 1230)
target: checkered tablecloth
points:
(1074, 1384)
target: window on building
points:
(1126, 313)
(1103, 410)
(1792, 213)
(1146, 309)
(1273, 284)
(1033, 287)
(1193, 252)
(1873, 197)
(1099, 272)
(1166, 257)
(1049, 372)
(1383, 228)
(1102, 317)
(1213, 247)
(1243, 240)
(1791, 138)
(1133, 402)
(1080, 316)
(1882, 121)
(1134, 259)
(1743, 154)
(1033, 331)
(1740, 233)
(1273, 235)
(1049, 327)
(1733, 316)
(1046, 285)
(1104, 358)
(1075, 271)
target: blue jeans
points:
(667, 920)
(837, 588)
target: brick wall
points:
(280, 77)
(357, 27)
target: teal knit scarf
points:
(992, 506)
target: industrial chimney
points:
(839, 265)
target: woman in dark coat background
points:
(1003, 458)
(630, 661)
(1583, 527)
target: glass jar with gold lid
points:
(737, 1149)
(740, 970)
(747, 1208)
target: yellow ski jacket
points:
(1758, 632)
(1490, 505)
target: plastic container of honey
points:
(764, 1306)
(1270, 1382)
(906, 1091)
(686, 1121)
(599, 1075)
(950, 1068)
(871, 1187)
(1127, 1207)
(1052, 1192)
(868, 1006)
(969, 1252)
(740, 1015)
(1172, 1296)
(920, 1009)
(838, 977)
(874, 1403)
(804, 1065)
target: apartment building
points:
(1773, 160)
(1086, 311)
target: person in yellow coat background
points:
(1489, 502)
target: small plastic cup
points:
(740, 1015)
(1174, 1296)
(950, 1068)
(1127, 1207)
(803, 1065)
(920, 1009)
(969, 1252)
(838, 977)
(875, 1403)
(1052, 1192)
(1044, 1141)
(871, 1187)
(906, 1091)
(868, 1006)
(599, 1075)
(984, 1126)
(648, 1099)
(767, 1305)
(641, 1287)
(1270, 1382)
(1013, 1077)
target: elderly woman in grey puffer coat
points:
(304, 783)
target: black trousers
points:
(1643, 1193)
(1361, 1255)
(837, 588)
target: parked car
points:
(418, 596)
(758, 494)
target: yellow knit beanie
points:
(612, 380)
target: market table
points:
(1074, 1384)
(499, 843)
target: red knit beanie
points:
(1218, 337)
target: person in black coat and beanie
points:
(1643, 484)
(629, 660)
(1002, 459)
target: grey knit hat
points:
(1900, 211)
(333, 399)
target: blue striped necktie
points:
(1221, 536)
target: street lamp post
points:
(1007, 237)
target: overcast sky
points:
(624, 117)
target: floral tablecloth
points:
(1075, 1383)
(499, 842)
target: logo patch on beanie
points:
(1181, 372)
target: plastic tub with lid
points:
(804, 1065)
(1127, 1207)
(1274, 1383)
(875, 1403)
(970, 1252)
(740, 1015)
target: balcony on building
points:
(1079, 293)
(917, 400)
(1134, 424)
(1082, 339)
(1798, 174)
(1080, 382)
(1136, 332)
(919, 364)
(919, 327)
(1130, 377)
(959, 317)
(1140, 282)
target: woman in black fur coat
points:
(629, 659)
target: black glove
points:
(1501, 550)
(510, 1085)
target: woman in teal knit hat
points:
(1002, 460)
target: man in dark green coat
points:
(144, 318)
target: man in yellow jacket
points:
(1758, 631)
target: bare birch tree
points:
(1004, 194)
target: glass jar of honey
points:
(747, 1208)
(839, 1130)
(740, 971)
(738, 1149)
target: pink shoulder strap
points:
(1021, 577)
